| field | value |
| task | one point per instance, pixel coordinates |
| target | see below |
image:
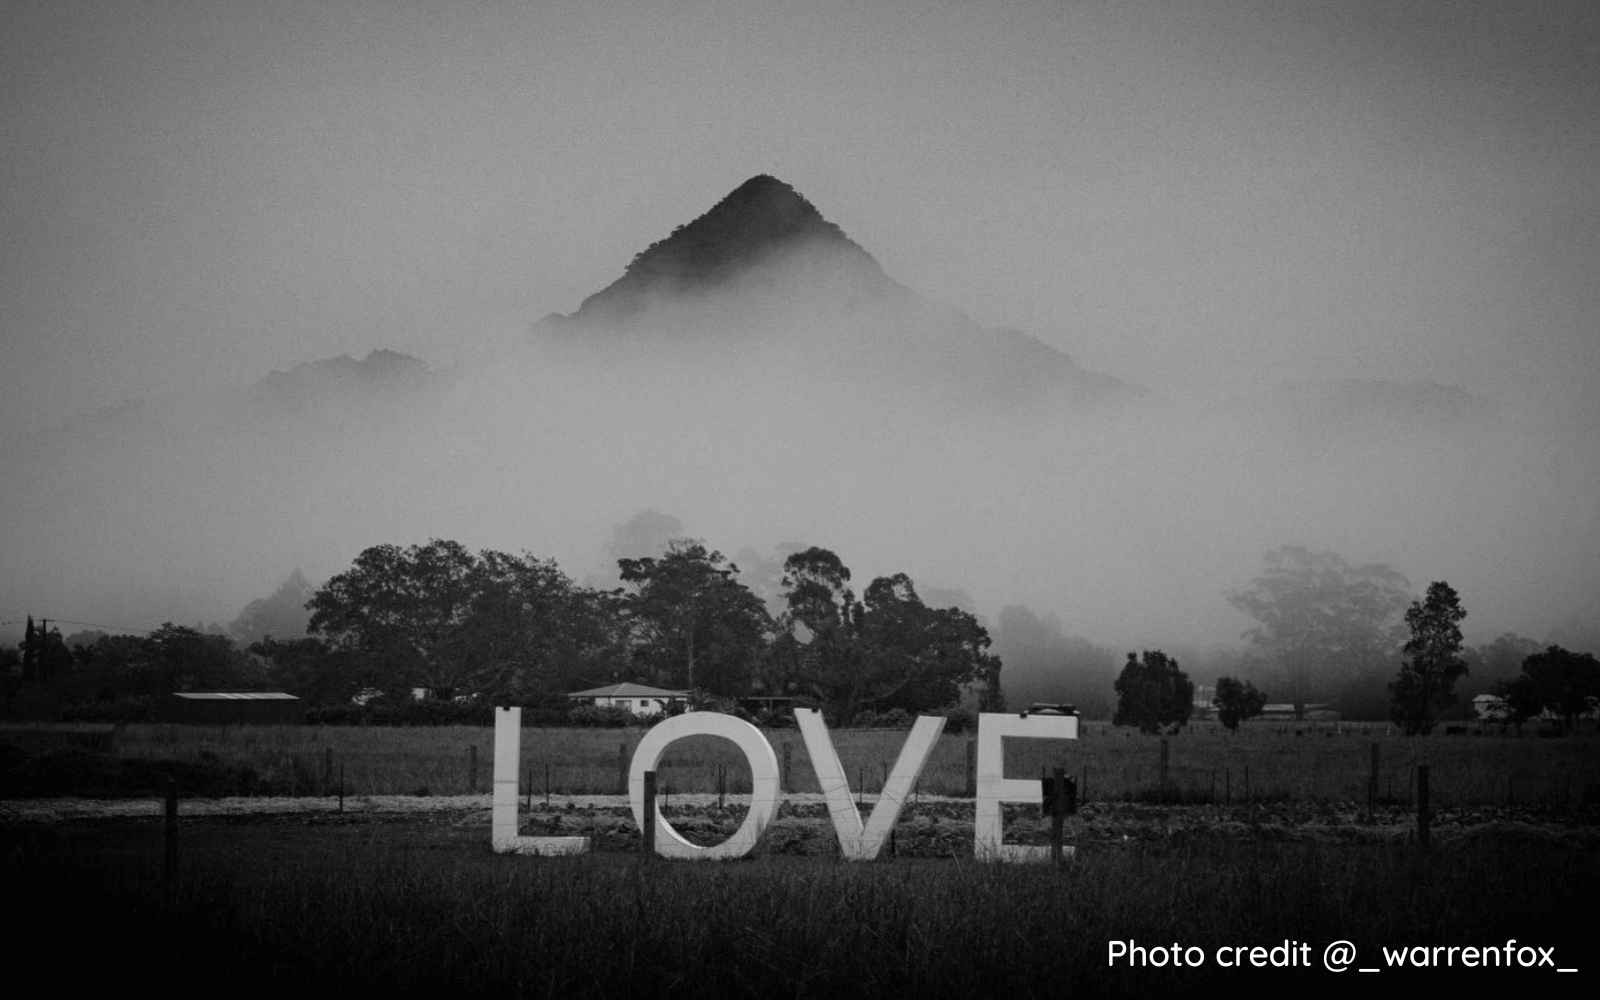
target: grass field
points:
(423, 907)
(416, 903)
(1205, 763)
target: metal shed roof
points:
(235, 695)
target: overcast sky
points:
(1196, 196)
(1202, 197)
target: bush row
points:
(957, 720)
(85, 773)
(408, 712)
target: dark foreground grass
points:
(408, 908)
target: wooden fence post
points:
(170, 834)
(1058, 813)
(1372, 782)
(622, 766)
(1424, 819)
(972, 769)
(649, 815)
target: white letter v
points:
(858, 843)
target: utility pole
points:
(44, 648)
(30, 653)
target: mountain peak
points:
(764, 207)
(759, 220)
(759, 217)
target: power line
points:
(121, 629)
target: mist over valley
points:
(758, 376)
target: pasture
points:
(308, 898)
(1205, 763)
(362, 905)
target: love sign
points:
(858, 841)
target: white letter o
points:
(763, 782)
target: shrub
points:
(135, 709)
(540, 717)
(605, 716)
(894, 718)
(959, 719)
(774, 719)
(338, 715)
(404, 712)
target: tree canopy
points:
(1237, 701)
(1321, 619)
(1433, 661)
(488, 623)
(1153, 693)
(406, 607)
(888, 650)
(438, 616)
(695, 625)
(1565, 684)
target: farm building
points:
(371, 694)
(1284, 712)
(1492, 708)
(220, 708)
(636, 698)
(755, 704)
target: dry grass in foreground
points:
(264, 907)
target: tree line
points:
(516, 629)
(1325, 623)
(489, 626)
(94, 675)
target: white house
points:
(1491, 708)
(636, 698)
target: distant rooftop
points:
(628, 690)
